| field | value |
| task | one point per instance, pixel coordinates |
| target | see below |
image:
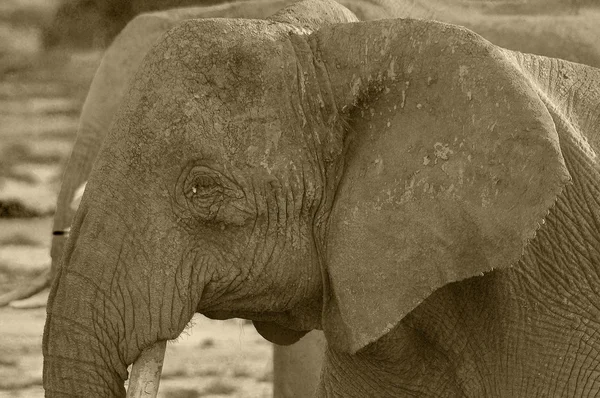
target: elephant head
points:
(305, 172)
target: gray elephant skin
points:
(425, 198)
(296, 368)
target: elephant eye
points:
(205, 191)
(203, 186)
(204, 194)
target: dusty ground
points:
(40, 99)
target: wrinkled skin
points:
(108, 87)
(249, 206)
(136, 39)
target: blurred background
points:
(49, 51)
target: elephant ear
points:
(451, 163)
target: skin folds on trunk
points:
(100, 316)
(83, 355)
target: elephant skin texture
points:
(427, 199)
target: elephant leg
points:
(297, 368)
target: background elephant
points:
(300, 213)
(556, 28)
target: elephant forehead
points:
(215, 89)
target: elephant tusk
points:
(145, 372)
(77, 196)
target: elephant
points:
(543, 34)
(118, 66)
(506, 32)
(110, 84)
(424, 197)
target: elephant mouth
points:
(250, 315)
(285, 319)
(222, 315)
(268, 324)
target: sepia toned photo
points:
(300, 198)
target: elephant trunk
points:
(81, 359)
(84, 325)
(110, 301)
